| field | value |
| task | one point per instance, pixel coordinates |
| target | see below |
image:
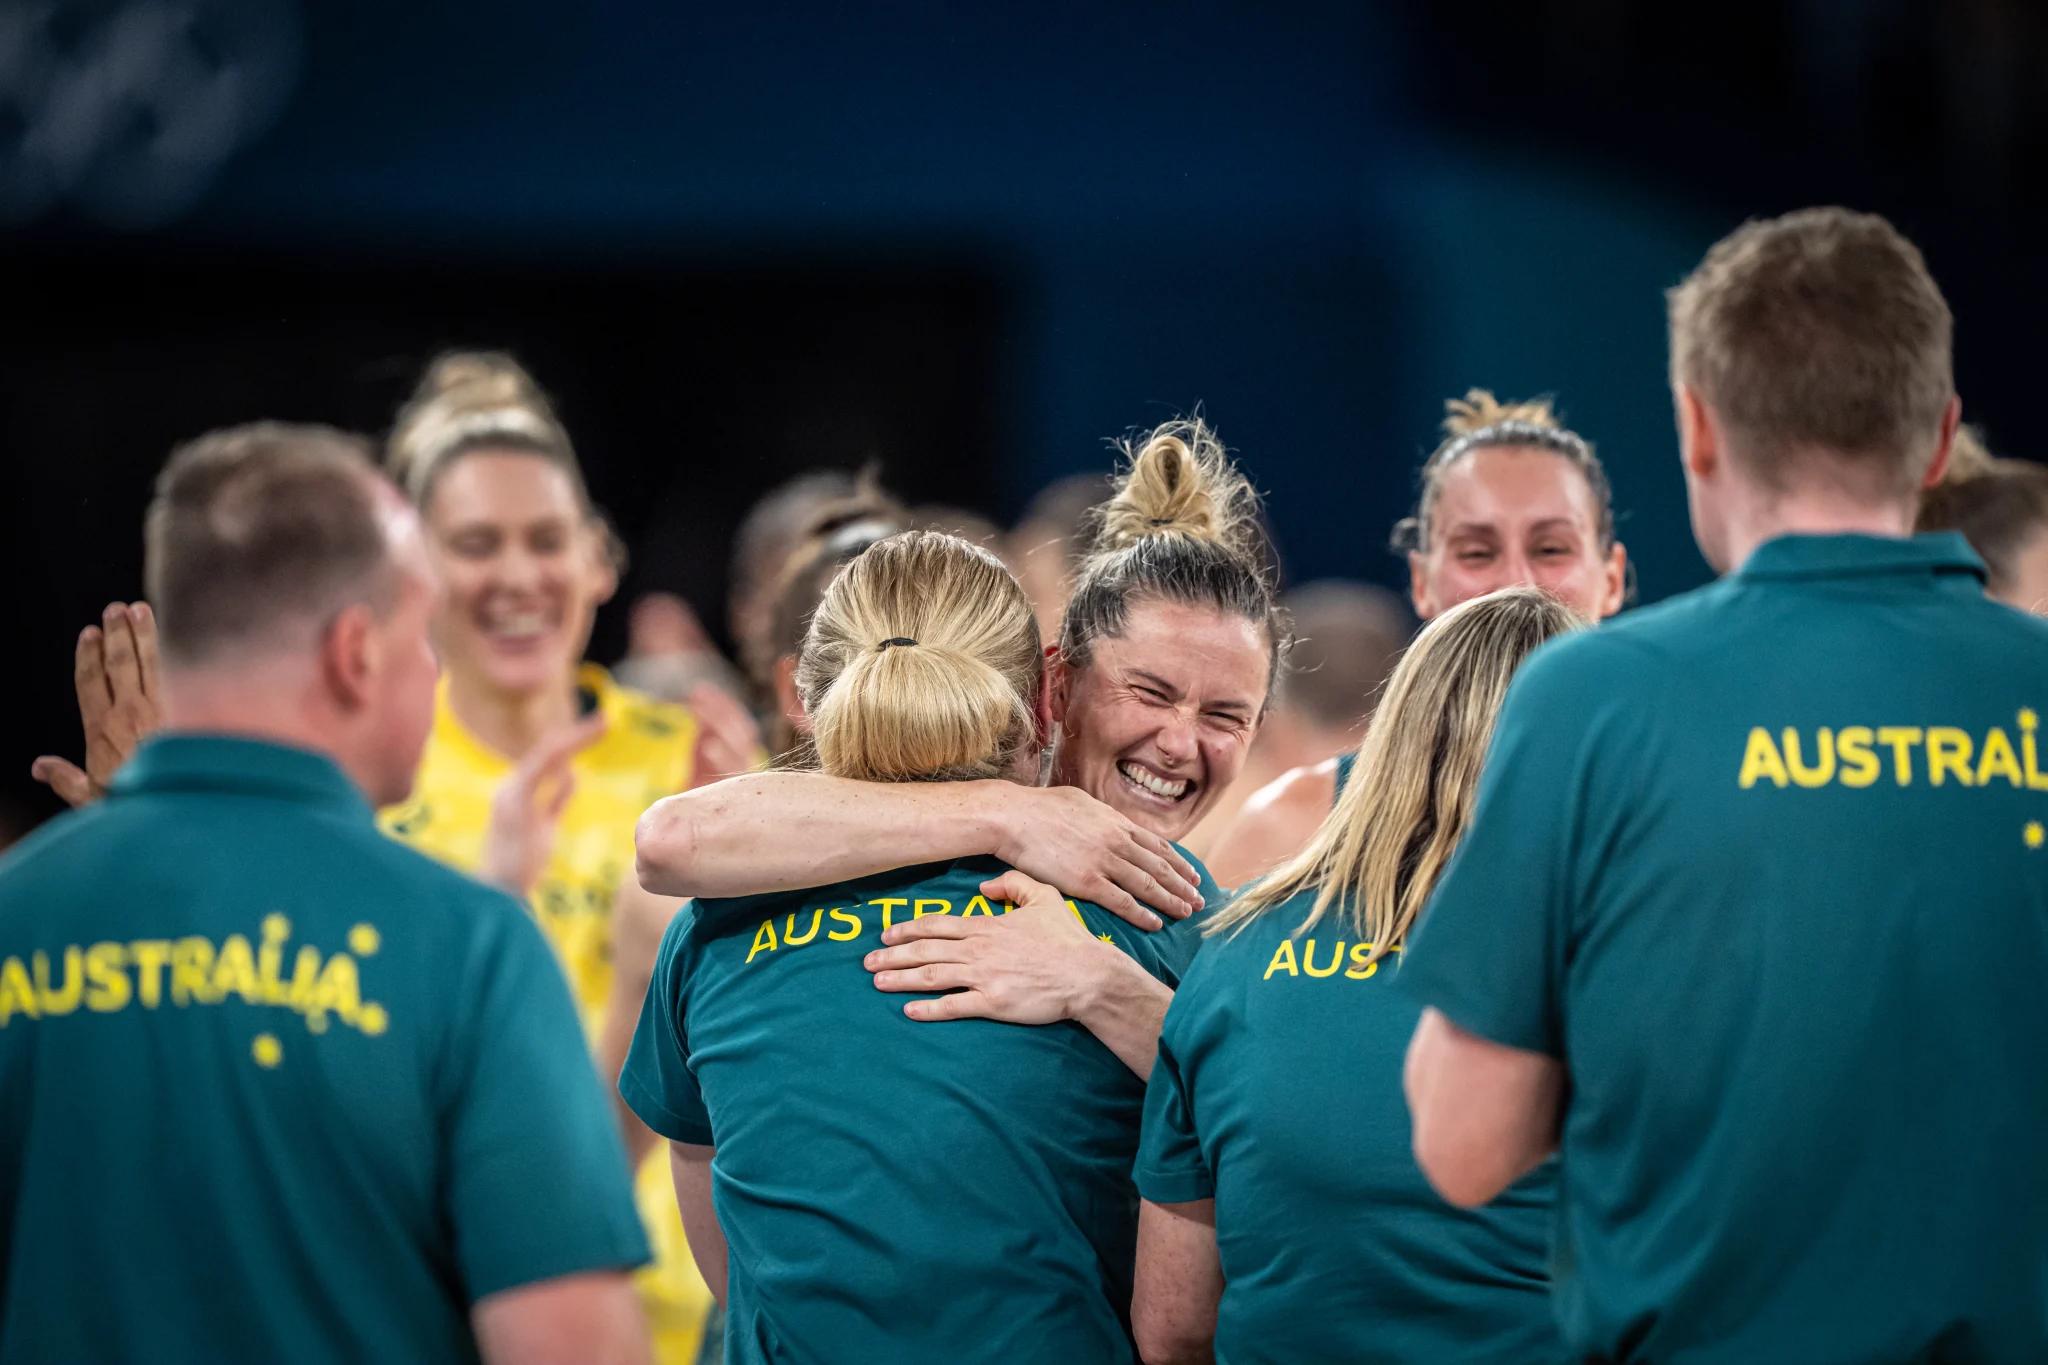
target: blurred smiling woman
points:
(891, 1194)
(1285, 1219)
(1510, 498)
(538, 763)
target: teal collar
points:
(195, 762)
(1943, 554)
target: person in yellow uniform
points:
(538, 764)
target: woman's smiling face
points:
(1159, 720)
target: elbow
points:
(1168, 1343)
(664, 847)
(1461, 1175)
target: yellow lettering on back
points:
(149, 956)
(17, 994)
(305, 978)
(1859, 765)
(1283, 961)
(1901, 738)
(340, 990)
(789, 938)
(888, 904)
(1823, 770)
(66, 1000)
(1948, 751)
(2037, 781)
(852, 922)
(191, 961)
(235, 970)
(1760, 759)
(106, 988)
(1308, 959)
(270, 960)
(981, 901)
(919, 911)
(1996, 759)
(1363, 964)
(764, 941)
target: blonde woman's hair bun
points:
(1178, 479)
(470, 400)
(1479, 409)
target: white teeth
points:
(518, 625)
(1158, 786)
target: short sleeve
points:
(1179, 940)
(1490, 949)
(657, 1083)
(537, 1184)
(1170, 1167)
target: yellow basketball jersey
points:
(645, 754)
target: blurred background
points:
(967, 242)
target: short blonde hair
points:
(1379, 853)
(922, 663)
(1821, 331)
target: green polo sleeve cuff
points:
(1163, 1186)
(675, 1127)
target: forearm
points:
(763, 832)
(690, 1168)
(615, 1039)
(1124, 1005)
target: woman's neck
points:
(511, 722)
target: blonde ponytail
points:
(921, 663)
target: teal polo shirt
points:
(1764, 867)
(892, 1192)
(1277, 1093)
(277, 1087)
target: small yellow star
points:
(364, 940)
(2035, 835)
(1106, 938)
(276, 926)
(2028, 720)
(373, 1020)
(267, 1051)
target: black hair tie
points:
(1162, 521)
(895, 640)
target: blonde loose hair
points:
(1378, 854)
(922, 663)
(1182, 525)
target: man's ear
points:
(1699, 434)
(351, 656)
(1950, 419)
